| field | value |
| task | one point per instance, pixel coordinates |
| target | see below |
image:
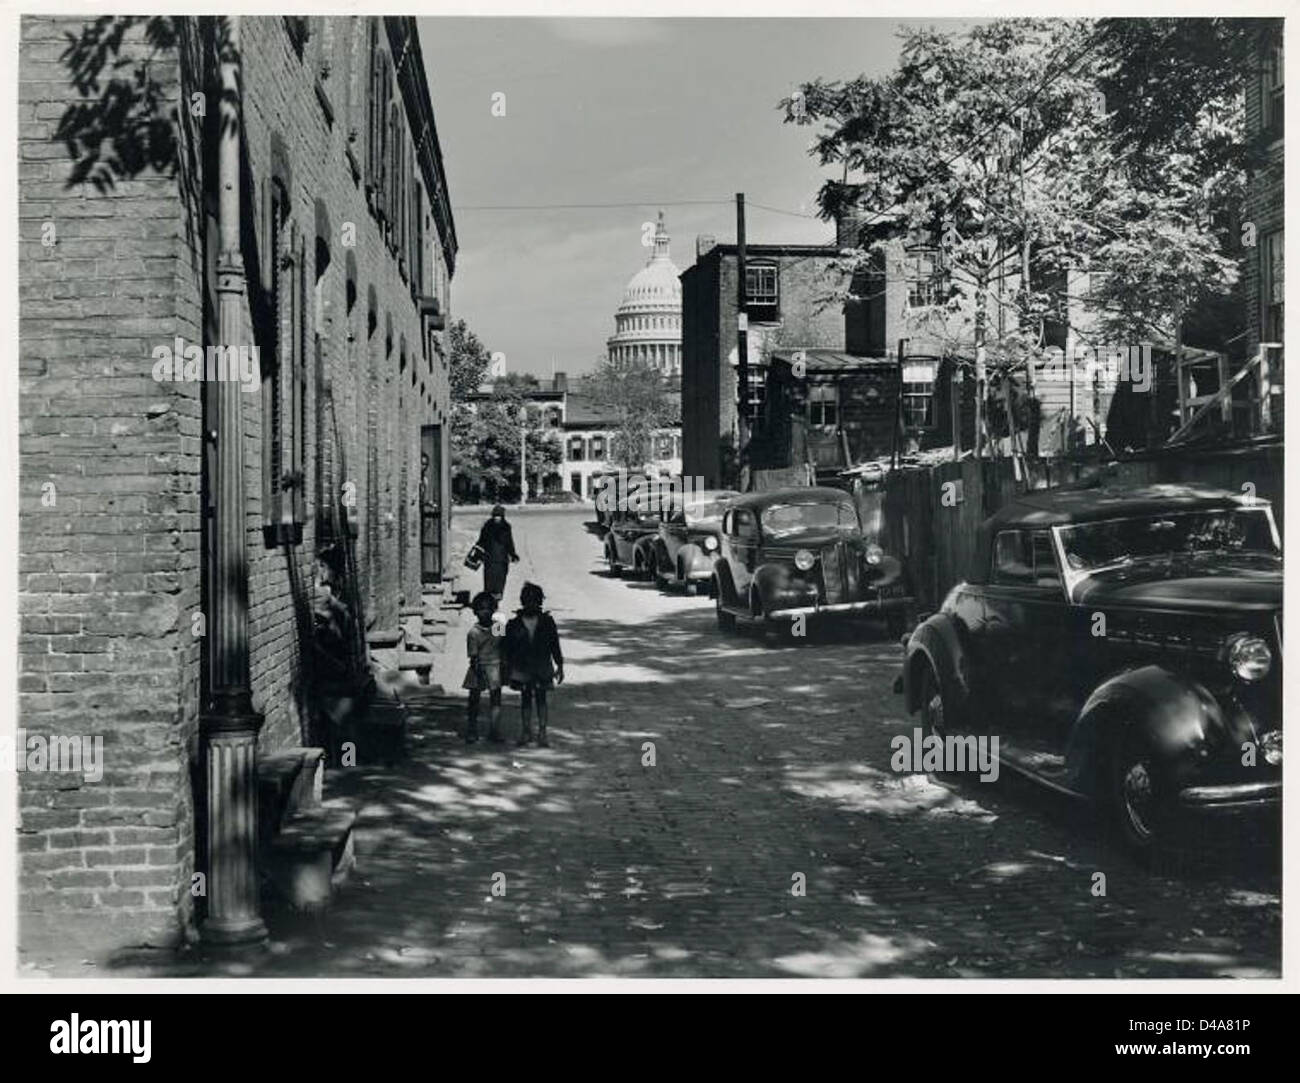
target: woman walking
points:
(496, 545)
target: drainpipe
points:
(228, 724)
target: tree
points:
(636, 397)
(468, 361)
(995, 147)
(486, 434)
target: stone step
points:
(385, 637)
(312, 856)
(289, 783)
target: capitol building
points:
(648, 324)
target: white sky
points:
(651, 112)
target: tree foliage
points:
(640, 403)
(1002, 140)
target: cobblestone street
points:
(771, 761)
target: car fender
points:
(726, 586)
(768, 579)
(688, 554)
(939, 642)
(1180, 717)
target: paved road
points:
(771, 765)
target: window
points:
(577, 449)
(1271, 79)
(1022, 558)
(743, 525)
(1272, 291)
(823, 405)
(1045, 570)
(918, 395)
(757, 390)
(664, 446)
(762, 291)
(597, 448)
(1013, 560)
(377, 126)
(926, 283)
(284, 417)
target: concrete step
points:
(289, 782)
(384, 637)
(312, 856)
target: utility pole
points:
(742, 330)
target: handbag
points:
(474, 558)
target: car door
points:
(1023, 637)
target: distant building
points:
(588, 434)
(648, 322)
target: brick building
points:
(1265, 208)
(288, 199)
(786, 296)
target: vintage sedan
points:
(683, 550)
(796, 553)
(626, 528)
(1122, 645)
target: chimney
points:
(704, 243)
(560, 382)
(849, 226)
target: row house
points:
(182, 531)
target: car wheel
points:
(933, 714)
(726, 621)
(615, 568)
(1137, 796)
(657, 570)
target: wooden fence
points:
(935, 525)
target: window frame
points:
(819, 401)
(763, 305)
(910, 397)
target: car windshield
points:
(782, 519)
(705, 509)
(1090, 546)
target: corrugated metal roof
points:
(820, 359)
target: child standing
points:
(532, 645)
(483, 645)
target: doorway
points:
(431, 503)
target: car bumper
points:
(1236, 796)
(871, 605)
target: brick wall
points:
(111, 573)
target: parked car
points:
(626, 528)
(1125, 646)
(802, 552)
(684, 547)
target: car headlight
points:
(1271, 743)
(875, 554)
(710, 543)
(804, 559)
(1249, 657)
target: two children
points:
(527, 654)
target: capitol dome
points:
(648, 324)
